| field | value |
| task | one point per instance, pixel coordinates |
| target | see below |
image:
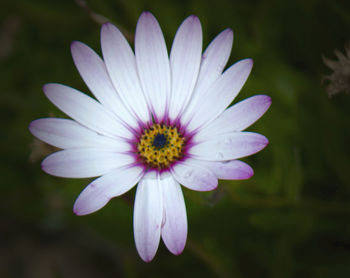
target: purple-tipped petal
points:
(238, 117)
(94, 73)
(98, 193)
(121, 65)
(85, 110)
(229, 146)
(230, 170)
(148, 215)
(220, 94)
(84, 163)
(64, 134)
(185, 58)
(152, 63)
(174, 226)
(194, 176)
(214, 60)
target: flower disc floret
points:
(160, 146)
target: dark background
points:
(292, 219)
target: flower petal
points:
(148, 215)
(85, 110)
(194, 176)
(185, 58)
(94, 73)
(174, 228)
(238, 117)
(121, 65)
(64, 134)
(213, 63)
(84, 163)
(98, 193)
(229, 146)
(153, 64)
(230, 170)
(214, 60)
(220, 94)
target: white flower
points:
(157, 122)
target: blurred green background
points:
(292, 219)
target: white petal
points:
(154, 174)
(229, 146)
(93, 71)
(213, 63)
(174, 228)
(230, 170)
(194, 176)
(220, 94)
(185, 60)
(121, 65)
(148, 214)
(84, 163)
(238, 117)
(98, 193)
(214, 60)
(152, 63)
(64, 134)
(85, 110)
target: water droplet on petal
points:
(206, 175)
(93, 185)
(227, 141)
(188, 174)
(220, 155)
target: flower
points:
(158, 122)
(339, 80)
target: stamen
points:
(160, 146)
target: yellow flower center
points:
(160, 146)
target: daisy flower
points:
(157, 121)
